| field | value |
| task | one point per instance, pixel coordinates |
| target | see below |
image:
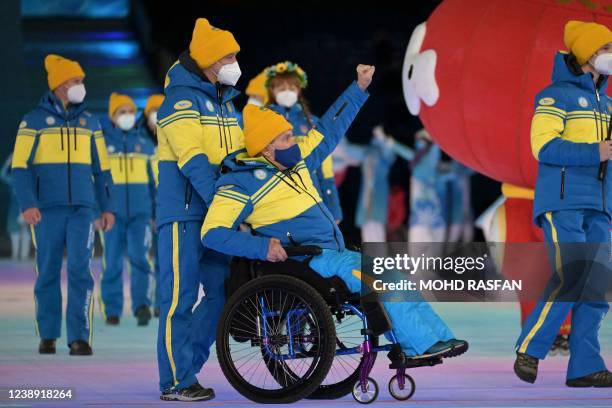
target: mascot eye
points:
(418, 73)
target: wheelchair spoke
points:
(273, 339)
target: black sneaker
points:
(602, 379)
(459, 347)
(80, 348)
(143, 315)
(440, 349)
(112, 320)
(526, 367)
(194, 392)
(560, 346)
(46, 346)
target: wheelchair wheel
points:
(368, 395)
(407, 389)
(283, 361)
(344, 371)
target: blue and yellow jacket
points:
(570, 120)
(280, 204)
(196, 129)
(323, 177)
(60, 158)
(130, 160)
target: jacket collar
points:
(187, 73)
(565, 69)
(53, 104)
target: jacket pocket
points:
(188, 194)
(38, 187)
(562, 191)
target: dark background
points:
(131, 52)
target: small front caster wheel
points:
(367, 394)
(402, 387)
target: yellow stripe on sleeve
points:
(223, 212)
(544, 128)
(23, 149)
(308, 143)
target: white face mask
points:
(76, 93)
(152, 119)
(286, 98)
(126, 121)
(603, 64)
(229, 74)
(254, 101)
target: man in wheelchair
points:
(269, 187)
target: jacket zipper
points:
(127, 184)
(68, 163)
(333, 224)
(219, 119)
(603, 136)
(562, 193)
(188, 193)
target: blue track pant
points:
(416, 325)
(132, 237)
(186, 335)
(69, 227)
(541, 327)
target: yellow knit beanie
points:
(117, 100)
(153, 102)
(60, 70)
(584, 39)
(209, 44)
(257, 87)
(261, 127)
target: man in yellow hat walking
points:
(197, 128)
(61, 176)
(569, 138)
(130, 160)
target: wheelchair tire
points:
(340, 380)
(309, 300)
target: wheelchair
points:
(286, 333)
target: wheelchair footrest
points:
(415, 362)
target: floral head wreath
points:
(287, 67)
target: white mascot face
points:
(418, 73)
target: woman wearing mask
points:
(130, 159)
(285, 83)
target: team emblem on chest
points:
(111, 148)
(82, 121)
(50, 120)
(137, 148)
(210, 106)
(260, 174)
(582, 101)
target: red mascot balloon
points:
(471, 73)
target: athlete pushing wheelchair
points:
(268, 187)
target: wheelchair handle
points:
(303, 250)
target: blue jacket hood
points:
(563, 73)
(239, 161)
(185, 73)
(112, 132)
(51, 103)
